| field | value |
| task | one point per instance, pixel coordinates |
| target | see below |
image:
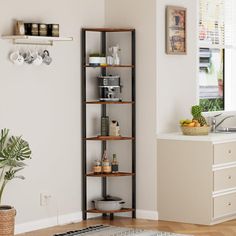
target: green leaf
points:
(19, 177)
(17, 148)
(11, 163)
(13, 152)
(9, 175)
(3, 138)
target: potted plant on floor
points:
(13, 152)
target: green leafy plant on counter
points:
(216, 104)
(13, 152)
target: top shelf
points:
(109, 29)
(35, 40)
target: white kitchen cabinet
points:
(196, 178)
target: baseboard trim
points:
(49, 222)
(146, 215)
(71, 218)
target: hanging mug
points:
(46, 57)
(17, 58)
(38, 60)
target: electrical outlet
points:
(44, 199)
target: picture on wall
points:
(176, 30)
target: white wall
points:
(176, 74)
(43, 104)
(141, 15)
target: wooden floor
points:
(224, 229)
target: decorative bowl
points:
(204, 130)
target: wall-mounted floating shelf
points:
(35, 40)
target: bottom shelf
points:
(107, 212)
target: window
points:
(216, 54)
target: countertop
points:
(212, 137)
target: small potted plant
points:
(13, 152)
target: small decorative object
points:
(109, 60)
(27, 28)
(49, 30)
(16, 58)
(114, 164)
(103, 60)
(106, 166)
(175, 30)
(114, 51)
(31, 57)
(193, 131)
(197, 115)
(196, 126)
(105, 126)
(20, 28)
(109, 88)
(96, 59)
(47, 59)
(114, 128)
(97, 168)
(55, 30)
(109, 203)
(34, 29)
(14, 151)
(43, 30)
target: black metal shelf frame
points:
(103, 33)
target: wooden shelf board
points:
(119, 174)
(110, 66)
(107, 138)
(99, 102)
(43, 38)
(109, 29)
(104, 212)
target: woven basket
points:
(7, 220)
(204, 130)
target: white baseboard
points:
(71, 218)
(146, 215)
(49, 222)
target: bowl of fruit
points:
(197, 125)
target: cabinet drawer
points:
(224, 179)
(224, 152)
(224, 205)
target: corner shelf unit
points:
(104, 139)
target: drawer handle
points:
(229, 204)
(229, 177)
(229, 151)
